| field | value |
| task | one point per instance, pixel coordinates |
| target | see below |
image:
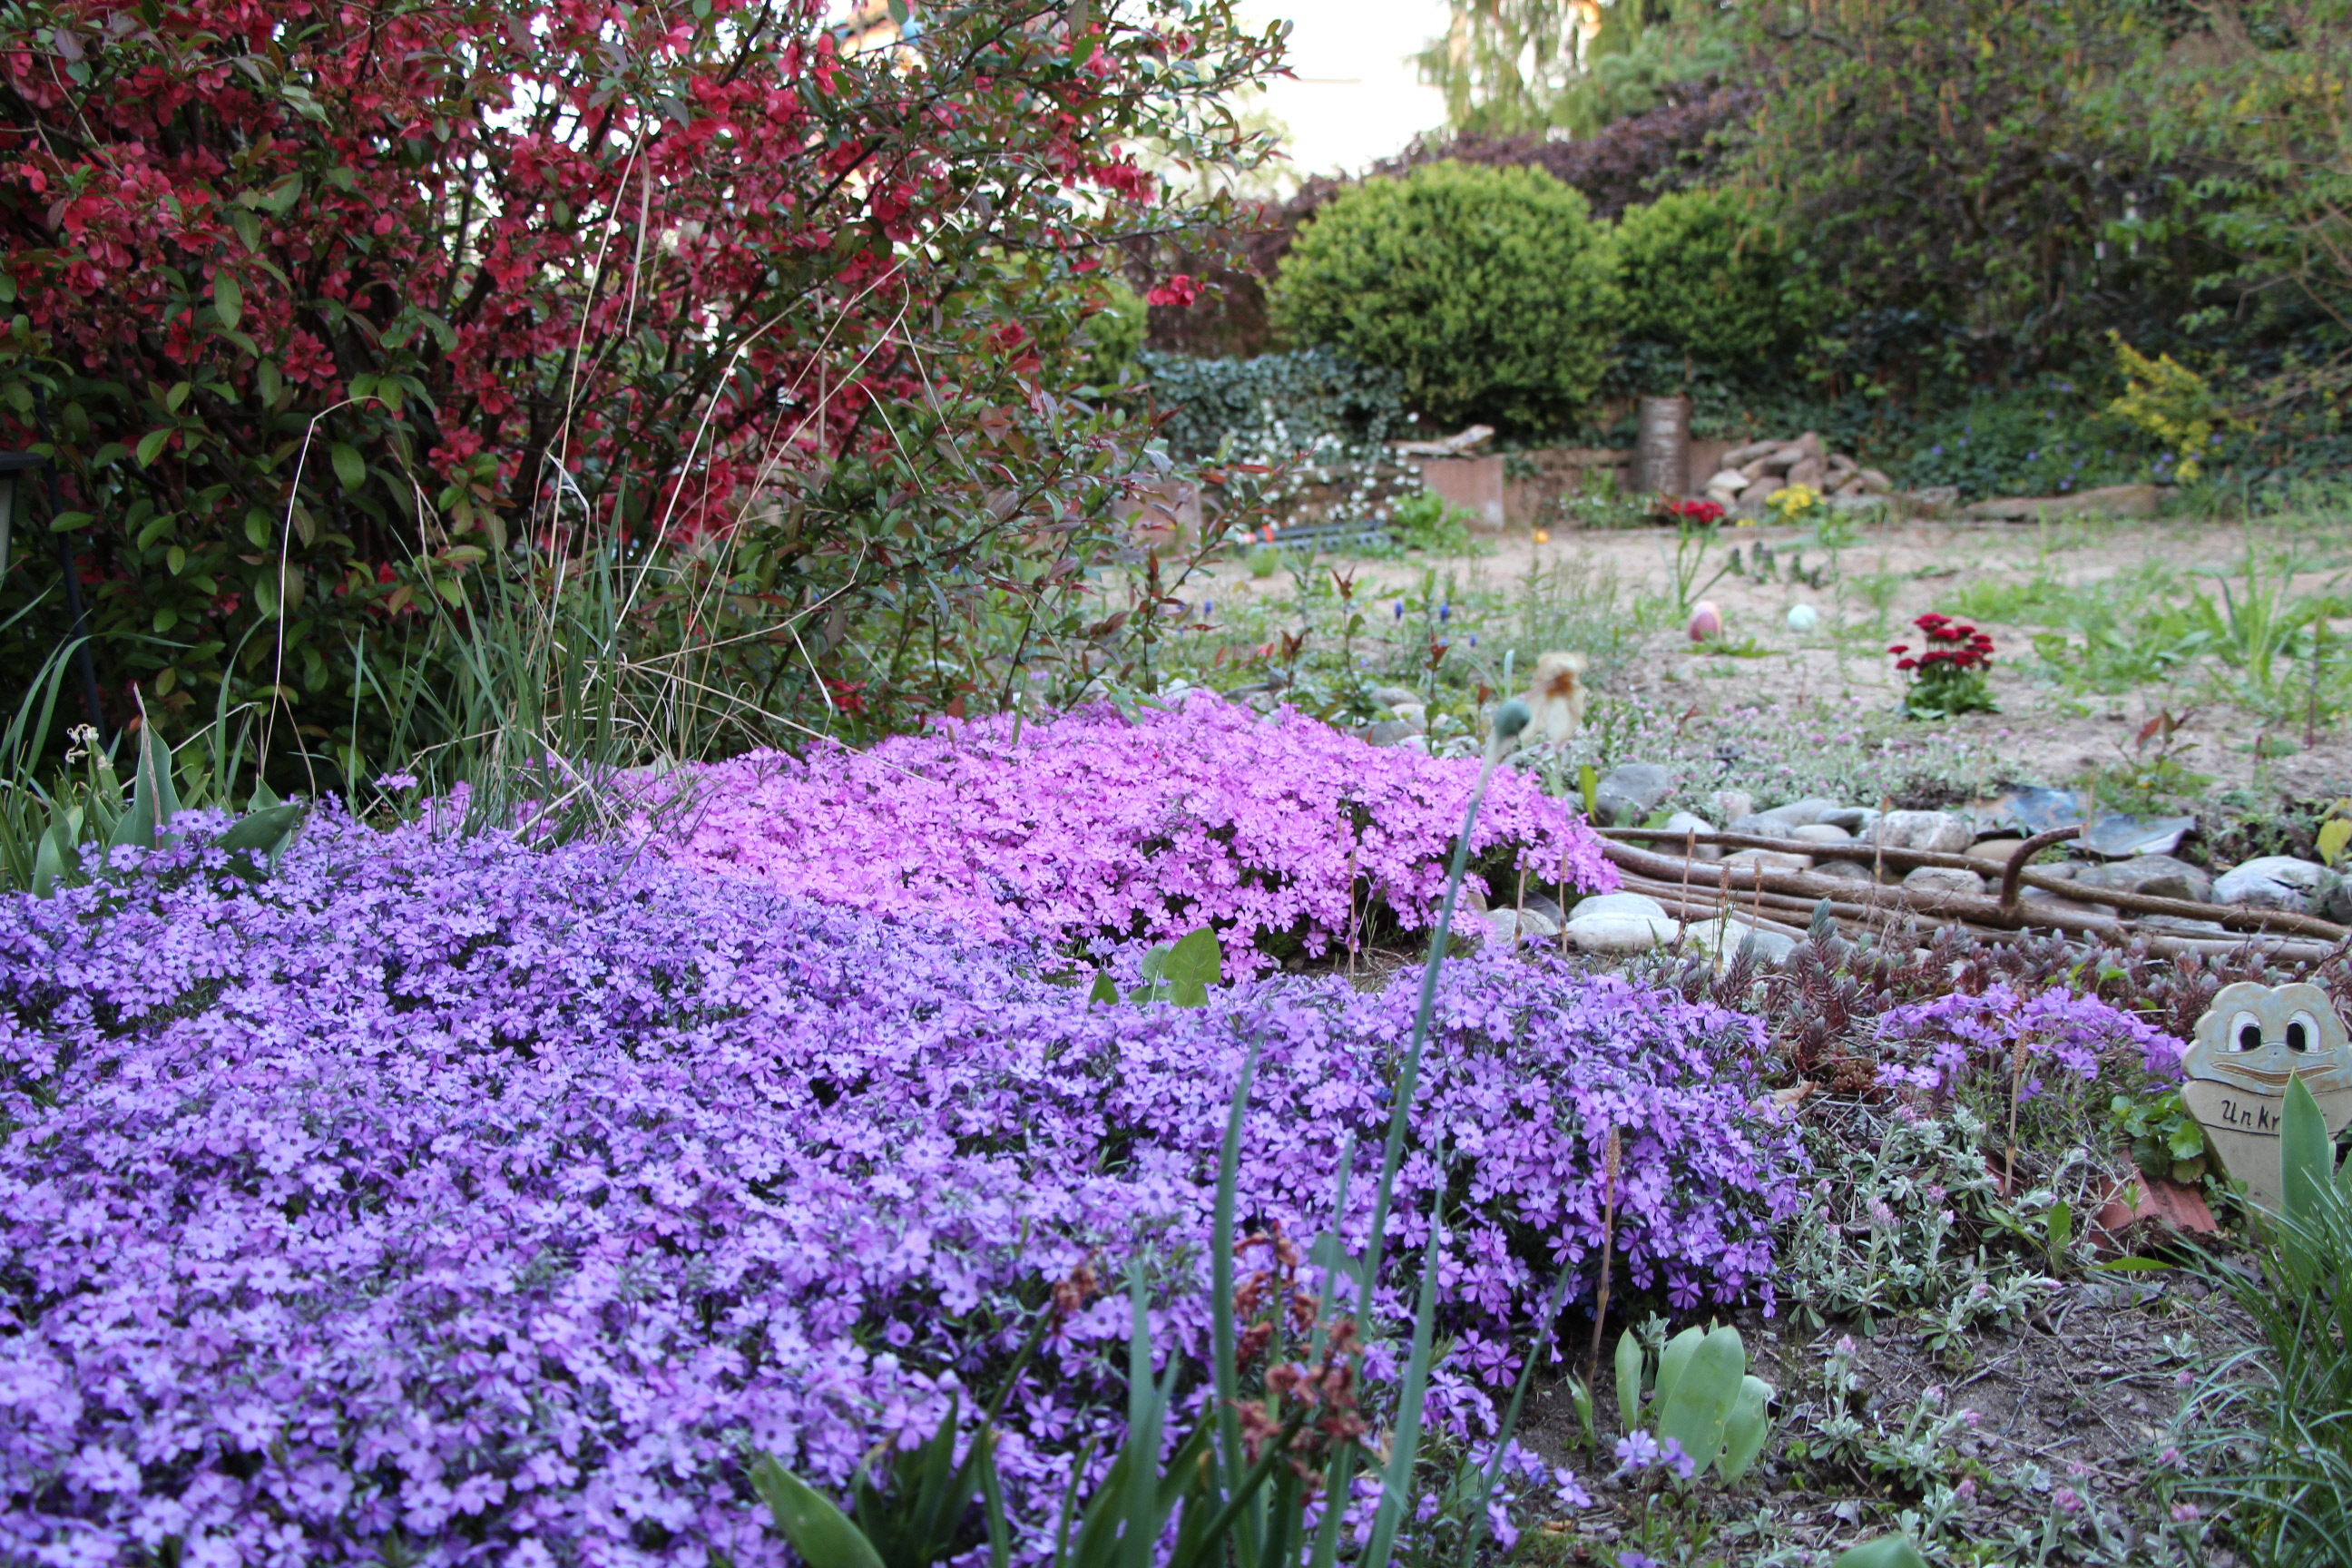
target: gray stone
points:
(2041, 901)
(1617, 904)
(1390, 732)
(1414, 714)
(1756, 824)
(2332, 899)
(1770, 859)
(1942, 879)
(1619, 935)
(1696, 827)
(1393, 696)
(1845, 870)
(1802, 812)
(1724, 937)
(1527, 924)
(1940, 832)
(1631, 791)
(2269, 882)
(1733, 803)
(1538, 904)
(1996, 851)
(2184, 925)
(1820, 833)
(2118, 837)
(1855, 820)
(2156, 876)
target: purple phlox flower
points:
(394, 782)
(1637, 1451)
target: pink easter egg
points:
(1706, 621)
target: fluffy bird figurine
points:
(1555, 697)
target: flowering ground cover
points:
(455, 1199)
(1095, 824)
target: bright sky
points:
(1356, 98)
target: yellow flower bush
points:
(1794, 503)
(2171, 403)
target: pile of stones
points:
(1753, 474)
(2139, 859)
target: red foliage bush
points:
(323, 304)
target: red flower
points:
(1180, 290)
(1900, 647)
(1907, 663)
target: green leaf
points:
(57, 859)
(2131, 1265)
(1886, 1551)
(2306, 1154)
(2061, 1224)
(1670, 1361)
(350, 467)
(2332, 838)
(1104, 991)
(1588, 783)
(819, 1533)
(1699, 1406)
(1629, 1382)
(228, 298)
(151, 447)
(1744, 1433)
(261, 837)
(1192, 965)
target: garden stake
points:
(1523, 906)
(1608, 1240)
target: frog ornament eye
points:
(2251, 1043)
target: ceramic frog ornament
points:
(2253, 1042)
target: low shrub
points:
(442, 1200)
(1704, 273)
(1491, 291)
(2040, 442)
(1274, 408)
(1096, 826)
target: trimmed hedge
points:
(1492, 292)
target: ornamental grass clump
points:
(1946, 677)
(1283, 833)
(454, 1199)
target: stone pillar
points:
(1662, 447)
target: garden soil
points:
(2042, 734)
